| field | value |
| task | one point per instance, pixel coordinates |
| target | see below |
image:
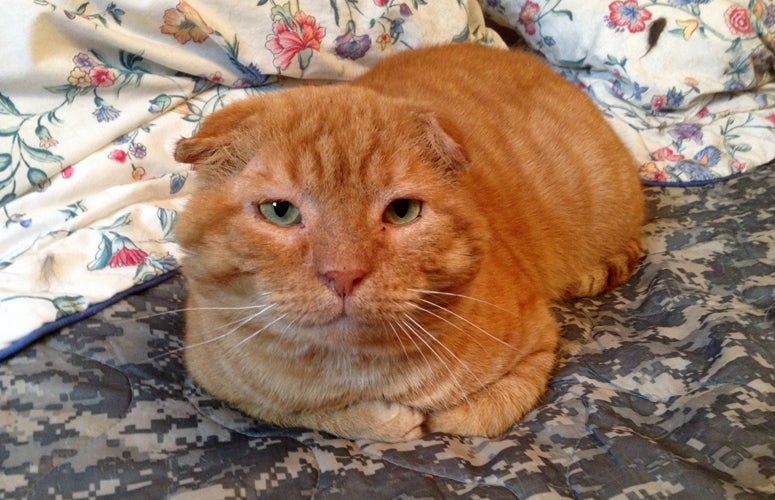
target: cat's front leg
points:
(374, 420)
(492, 410)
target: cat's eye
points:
(282, 213)
(402, 211)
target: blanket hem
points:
(48, 328)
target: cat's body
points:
(364, 317)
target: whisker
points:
(403, 326)
(450, 294)
(398, 337)
(442, 318)
(186, 309)
(241, 322)
(256, 333)
(468, 322)
(455, 380)
(454, 356)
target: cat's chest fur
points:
(377, 259)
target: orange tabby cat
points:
(377, 259)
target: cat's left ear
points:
(442, 141)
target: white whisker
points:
(403, 326)
(454, 356)
(187, 309)
(256, 333)
(468, 322)
(241, 322)
(452, 374)
(398, 337)
(460, 296)
(442, 318)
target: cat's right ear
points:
(195, 150)
(214, 157)
(217, 144)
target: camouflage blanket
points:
(665, 388)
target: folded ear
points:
(442, 140)
(218, 143)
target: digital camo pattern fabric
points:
(665, 388)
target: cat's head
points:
(334, 205)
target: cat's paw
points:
(373, 420)
(612, 273)
(393, 422)
(467, 420)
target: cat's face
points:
(338, 228)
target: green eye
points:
(282, 213)
(402, 211)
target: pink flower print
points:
(737, 166)
(46, 140)
(291, 38)
(627, 14)
(383, 40)
(127, 255)
(527, 17)
(771, 118)
(738, 21)
(185, 24)
(118, 155)
(102, 77)
(666, 154)
(380, 3)
(658, 103)
(68, 172)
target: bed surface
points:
(665, 388)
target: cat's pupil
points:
(401, 208)
(281, 208)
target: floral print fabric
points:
(687, 84)
(94, 95)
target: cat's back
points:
(546, 167)
(451, 76)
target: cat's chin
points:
(346, 332)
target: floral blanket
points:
(94, 95)
(687, 84)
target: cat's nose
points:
(343, 282)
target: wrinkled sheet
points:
(687, 84)
(665, 388)
(94, 96)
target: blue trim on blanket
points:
(48, 328)
(704, 182)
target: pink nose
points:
(343, 282)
